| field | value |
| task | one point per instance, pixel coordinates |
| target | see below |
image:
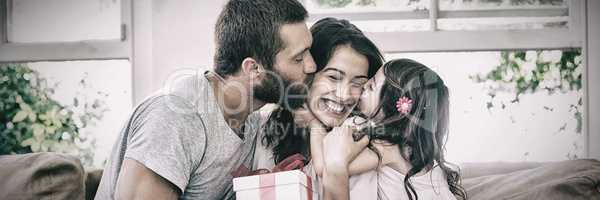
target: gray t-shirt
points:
(181, 135)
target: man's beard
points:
(282, 91)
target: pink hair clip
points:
(404, 105)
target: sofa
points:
(59, 176)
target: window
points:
(84, 20)
(84, 59)
(73, 30)
(473, 25)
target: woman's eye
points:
(335, 78)
(298, 60)
(358, 85)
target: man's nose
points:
(310, 66)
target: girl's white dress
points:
(387, 183)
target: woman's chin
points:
(331, 122)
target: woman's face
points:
(336, 88)
(369, 100)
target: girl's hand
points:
(357, 123)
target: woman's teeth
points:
(334, 107)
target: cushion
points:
(41, 176)
(92, 181)
(574, 179)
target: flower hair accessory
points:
(404, 104)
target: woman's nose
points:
(343, 93)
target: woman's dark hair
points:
(422, 133)
(330, 33)
(281, 134)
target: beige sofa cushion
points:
(574, 179)
(41, 176)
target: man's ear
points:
(251, 68)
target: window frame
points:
(64, 51)
(435, 40)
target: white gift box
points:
(285, 185)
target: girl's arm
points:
(367, 160)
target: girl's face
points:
(369, 100)
(337, 88)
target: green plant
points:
(334, 3)
(31, 121)
(522, 73)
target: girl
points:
(404, 114)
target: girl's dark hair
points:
(422, 133)
(281, 134)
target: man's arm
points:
(138, 182)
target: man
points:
(185, 141)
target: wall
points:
(593, 62)
(170, 36)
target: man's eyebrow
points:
(301, 52)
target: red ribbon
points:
(292, 162)
(267, 177)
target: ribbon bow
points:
(292, 162)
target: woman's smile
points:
(333, 108)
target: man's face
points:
(292, 69)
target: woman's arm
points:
(335, 182)
(367, 159)
(339, 148)
(317, 133)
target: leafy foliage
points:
(511, 72)
(522, 73)
(32, 121)
(334, 3)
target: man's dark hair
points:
(250, 28)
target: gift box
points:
(284, 185)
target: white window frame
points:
(11, 52)
(434, 40)
(62, 51)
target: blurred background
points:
(522, 74)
